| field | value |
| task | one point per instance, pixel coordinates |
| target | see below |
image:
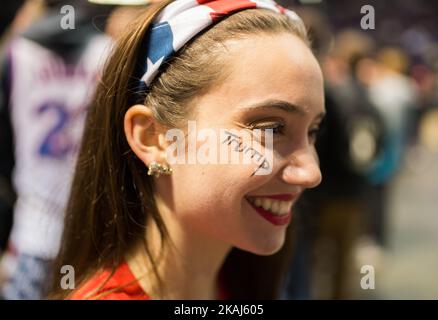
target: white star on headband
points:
(151, 70)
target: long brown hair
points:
(111, 196)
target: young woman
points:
(139, 226)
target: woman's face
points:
(274, 83)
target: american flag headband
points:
(182, 20)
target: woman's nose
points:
(303, 169)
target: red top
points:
(122, 285)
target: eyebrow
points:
(281, 105)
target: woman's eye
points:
(277, 128)
(313, 135)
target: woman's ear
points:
(142, 134)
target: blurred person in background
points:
(349, 146)
(395, 96)
(7, 194)
(48, 76)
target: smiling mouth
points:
(275, 209)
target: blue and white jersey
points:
(48, 103)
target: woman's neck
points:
(188, 265)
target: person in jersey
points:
(140, 225)
(7, 16)
(48, 78)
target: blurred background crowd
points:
(378, 148)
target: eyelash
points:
(273, 126)
(313, 134)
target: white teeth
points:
(277, 207)
(267, 204)
(285, 206)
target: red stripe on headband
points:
(282, 10)
(224, 7)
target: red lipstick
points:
(277, 220)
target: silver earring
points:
(156, 169)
